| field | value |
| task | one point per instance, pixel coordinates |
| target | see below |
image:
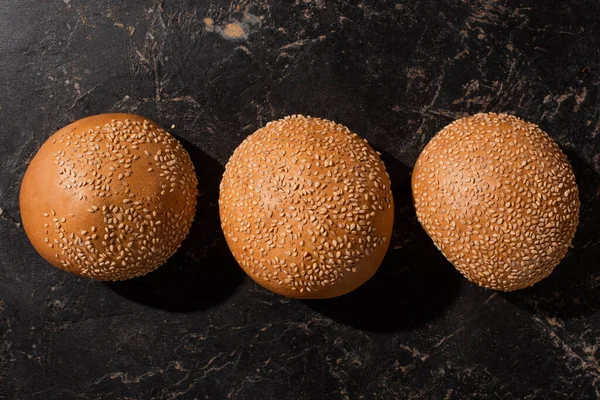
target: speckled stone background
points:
(214, 71)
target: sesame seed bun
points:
(109, 197)
(306, 208)
(499, 199)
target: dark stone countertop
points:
(215, 71)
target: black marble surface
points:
(213, 72)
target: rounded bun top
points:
(109, 197)
(499, 198)
(306, 207)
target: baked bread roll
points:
(499, 199)
(109, 197)
(306, 208)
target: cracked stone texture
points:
(394, 72)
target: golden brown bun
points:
(109, 197)
(306, 208)
(499, 199)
